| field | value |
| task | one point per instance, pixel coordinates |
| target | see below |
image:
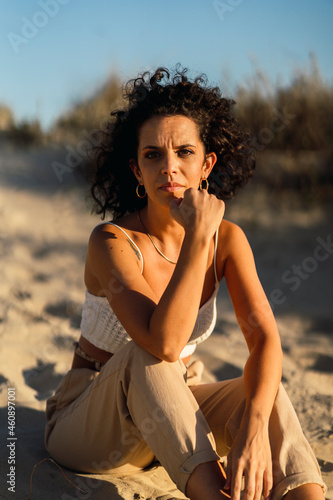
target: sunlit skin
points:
(171, 161)
(171, 158)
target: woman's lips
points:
(171, 187)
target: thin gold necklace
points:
(157, 249)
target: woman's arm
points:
(250, 454)
(161, 325)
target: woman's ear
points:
(135, 169)
(210, 161)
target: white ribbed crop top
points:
(101, 327)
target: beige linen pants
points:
(139, 408)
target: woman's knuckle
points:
(249, 492)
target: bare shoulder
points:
(120, 230)
(232, 238)
(110, 227)
(237, 255)
(116, 240)
(103, 238)
(229, 228)
(105, 231)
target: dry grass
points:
(6, 117)
(305, 105)
(292, 127)
(88, 115)
(295, 117)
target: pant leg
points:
(136, 408)
(294, 463)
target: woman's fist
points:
(198, 211)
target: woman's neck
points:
(159, 224)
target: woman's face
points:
(171, 157)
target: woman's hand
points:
(198, 211)
(250, 456)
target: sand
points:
(44, 227)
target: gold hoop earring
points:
(137, 191)
(206, 186)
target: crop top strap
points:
(215, 252)
(138, 249)
(136, 246)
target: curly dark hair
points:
(163, 94)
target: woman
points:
(164, 166)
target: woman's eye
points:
(151, 154)
(185, 152)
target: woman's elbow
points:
(168, 353)
(268, 343)
(170, 356)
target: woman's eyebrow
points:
(177, 147)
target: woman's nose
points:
(169, 164)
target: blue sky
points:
(57, 52)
